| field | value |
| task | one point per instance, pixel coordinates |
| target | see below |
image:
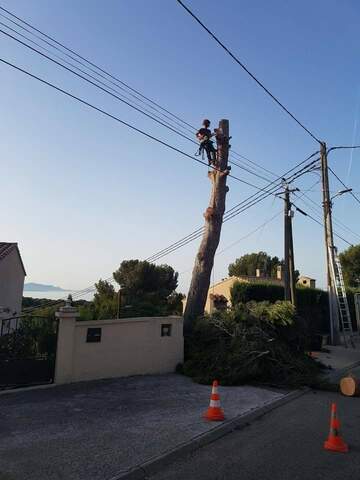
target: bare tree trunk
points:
(204, 260)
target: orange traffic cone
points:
(214, 412)
(335, 443)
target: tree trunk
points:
(204, 260)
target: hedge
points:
(312, 303)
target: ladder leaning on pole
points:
(338, 279)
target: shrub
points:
(249, 342)
(312, 303)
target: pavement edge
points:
(154, 464)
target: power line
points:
(153, 103)
(126, 101)
(138, 130)
(164, 252)
(247, 70)
(319, 223)
(343, 184)
(228, 247)
(319, 210)
(119, 85)
(111, 116)
(250, 233)
(231, 213)
(155, 119)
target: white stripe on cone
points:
(214, 403)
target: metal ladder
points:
(338, 279)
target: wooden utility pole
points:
(287, 290)
(204, 259)
(292, 261)
(329, 245)
(118, 302)
(289, 267)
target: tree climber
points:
(204, 136)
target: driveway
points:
(96, 430)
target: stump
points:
(350, 386)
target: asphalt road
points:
(96, 430)
(286, 444)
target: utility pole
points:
(287, 290)
(204, 259)
(289, 267)
(292, 259)
(118, 302)
(329, 245)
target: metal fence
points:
(27, 351)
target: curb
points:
(155, 464)
(336, 375)
(11, 391)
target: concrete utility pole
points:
(329, 245)
(289, 268)
(204, 260)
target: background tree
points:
(147, 289)
(105, 301)
(247, 265)
(350, 262)
(104, 291)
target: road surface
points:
(285, 444)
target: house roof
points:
(6, 248)
(247, 278)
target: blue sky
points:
(80, 193)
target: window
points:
(93, 335)
(166, 330)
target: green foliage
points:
(174, 303)
(104, 291)
(350, 262)
(312, 303)
(35, 336)
(249, 343)
(279, 314)
(141, 278)
(247, 265)
(350, 292)
(148, 289)
(243, 292)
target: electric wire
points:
(184, 124)
(248, 202)
(343, 184)
(123, 122)
(242, 65)
(151, 104)
(318, 209)
(80, 294)
(320, 223)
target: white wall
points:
(128, 347)
(11, 284)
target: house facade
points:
(12, 276)
(223, 288)
(306, 282)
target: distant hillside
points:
(39, 287)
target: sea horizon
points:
(54, 295)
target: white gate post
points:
(67, 316)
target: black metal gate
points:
(27, 351)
